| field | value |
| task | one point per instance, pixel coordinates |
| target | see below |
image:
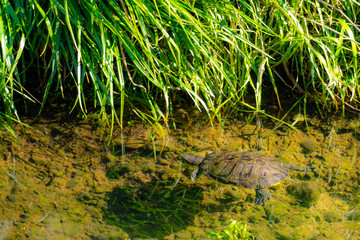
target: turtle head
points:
(193, 159)
(209, 153)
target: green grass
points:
(147, 56)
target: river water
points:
(71, 180)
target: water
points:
(68, 184)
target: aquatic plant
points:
(146, 56)
(235, 230)
(153, 210)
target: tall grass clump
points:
(144, 56)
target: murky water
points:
(71, 181)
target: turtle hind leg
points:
(196, 174)
(262, 196)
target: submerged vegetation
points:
(66, 184)
(235, 231)
(146, 57)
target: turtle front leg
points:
(262, 196)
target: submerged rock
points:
(299, 117)
(116, 233)
(94, 212)
(72, 183)
(332, 216)
(307, 193)
(353, 215)
(110, 158)
(235, 194)
(39, 160)
(11, 198)
(118, 170)
(85, 196)
(184, 234)
(308, 144)
(284, 235)
(276, 211)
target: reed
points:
(143, 55)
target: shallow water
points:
(69, 180)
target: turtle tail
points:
(297, 168)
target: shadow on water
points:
(156, 209)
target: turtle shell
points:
(245, 169)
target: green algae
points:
(307, 193)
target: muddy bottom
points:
(72, 181)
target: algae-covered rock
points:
(163, 162)
(248, 130)
(116, 234)
(298, 117)
(85, 196)
(39, 160)
(332, 216)
(118, 170)
(146, 166)
(11, 198)
(170, 174)
(307, 193)
(110, 158)
(72, 183)
(353, 215)
(235, 194)
(57, 169)
(94, 212)
(71, 229)
(233, 146)
(285, 232)
(284, 156)
(304, 231)
(308, 175)
(277, 211)
(308, 144)
(183, 234)
(284, 235)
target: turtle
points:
(245, 169)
